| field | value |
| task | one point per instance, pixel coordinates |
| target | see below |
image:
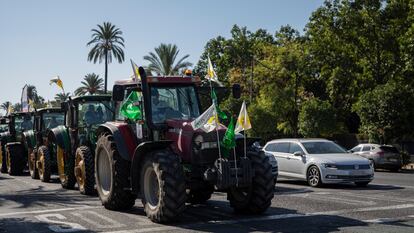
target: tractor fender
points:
(29, 139)
(124, 137)
(60, 136)
(4, 137)
(140, 152)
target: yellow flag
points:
(135, 68)
(31, 103)
(243, 121)
(210, 70)
(57, 81)
(10, 109)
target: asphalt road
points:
(386, 205)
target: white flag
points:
(207, 121)
(243, 121)
(211, 74)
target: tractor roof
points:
(43, 110)
(161, 80)
(87, 98)
(20, 114)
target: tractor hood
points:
(182, 134)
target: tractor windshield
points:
(95, 113)
(173, 103)
(23, 123)
(52, 120)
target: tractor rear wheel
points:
(84, 170)
(31, 162)
(3, 159)
(65, 169)
(112, 176)
(44, 164)
(257, 198)
(15, 159)
(162, 186)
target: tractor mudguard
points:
(29, 138)
(124, 137)
(60, 136)
(5, 137)
(139, 154)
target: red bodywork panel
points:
(128, 136)
(181, 133)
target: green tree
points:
(91, 84)
(62, 97)
(107, 41)
(163, 61)
(5, 106)
(387, 112)
(316, 118)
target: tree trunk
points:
(106, 71)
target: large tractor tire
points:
(3, 159)
(32, 163)
(257, 198)
(44, 164)
(85, 171)
(112, 176)
(162, 185)
(200, 195)
(65, 169)
(15, 159)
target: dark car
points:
(382, 156)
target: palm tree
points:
(92, 84)
(107, 42)
(62, 97)
(5, 106)
(162, 61)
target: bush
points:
(316, 118)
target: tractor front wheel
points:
(3, 159)
(162, 186)
(31, 162)
(84, 170)
(65, 169)
(44, 165)
(112, 176)
(257, 198)
(15, 159)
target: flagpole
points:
(215, 109)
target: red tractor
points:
(162, 159)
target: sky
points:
(44, 38)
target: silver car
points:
(319, 161)
(381, 156)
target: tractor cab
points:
(4, 125)
(20, 122)
(84, 114)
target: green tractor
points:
(13, 142)
(75, 141)
(4, 129)
(41, 154)
(159, 156)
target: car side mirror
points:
(350, 151)
(118, 93)
(298, 153)
(236, 91)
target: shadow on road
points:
(27, 225)
(341, 186)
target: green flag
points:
(229, 139)
(130, 109)
(220, 113)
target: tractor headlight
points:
(198, 140)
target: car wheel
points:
(314, 176)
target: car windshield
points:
(173, 103)
(322, 147)
(52, 120)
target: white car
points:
(319, 161)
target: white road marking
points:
(388, 220)
(375, 197)
(58, 225)
(109, 223)
(331, 197)
(46, 211)
(150, 229)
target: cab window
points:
(282, 147)
(366, 148)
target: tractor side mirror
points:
(236, 91)
(118, 93)
(64, 106)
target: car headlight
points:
(330, 165)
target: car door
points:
(365, 151)
(296, 164)
(280, 151)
